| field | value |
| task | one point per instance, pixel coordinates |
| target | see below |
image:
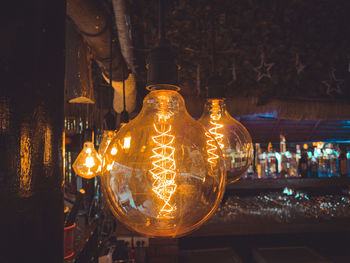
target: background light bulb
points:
(106, 140)
(232, 137)
(107, 137)
(160, 182)
(88, 162)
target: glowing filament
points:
(164, 166)
(89, 162)
(214, 134)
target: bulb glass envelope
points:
(88, 163)
(160, 182)
(107, 137)
(232, 137)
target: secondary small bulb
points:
(106, 140)
(107, 137)
(88, 162)
(232, 137)
(160, 182)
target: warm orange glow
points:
(319, 145)
(88, 163)
(215, 134)
(114, 151)
(48, 146)
(163, 185)
(26, 161)
(127, 141)
(164, 166)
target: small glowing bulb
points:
(106, 140)
(88, 163)
(232, 137)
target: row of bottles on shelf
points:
(308, 160)
(315, 159)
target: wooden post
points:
(31, 92)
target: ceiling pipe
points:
(93, 24)
(123, 24)
(122, 21)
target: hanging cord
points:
(215, 85)
(111, 57)
(124, 116)
(161, 21)
(109, 118)
(212, 62)
(213, 36)
(124, 103)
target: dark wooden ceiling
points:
(305, 45)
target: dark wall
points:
(31, 126)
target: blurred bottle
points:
(283, 166)
(271, 161)
(343, 163)
(303, 164)
(333, 160)
(257, 160)
(263, 164)
(313, 167)
(292, 164)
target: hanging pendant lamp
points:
(232, 137)
(160, 182)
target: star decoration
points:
(333, 84)
(263, 69)
(299, 65)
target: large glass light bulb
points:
(160, 182)
(88, 162)
(232, 137)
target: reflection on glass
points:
(25, 179)
(48, 146)
(106, 140)
(4, 115)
